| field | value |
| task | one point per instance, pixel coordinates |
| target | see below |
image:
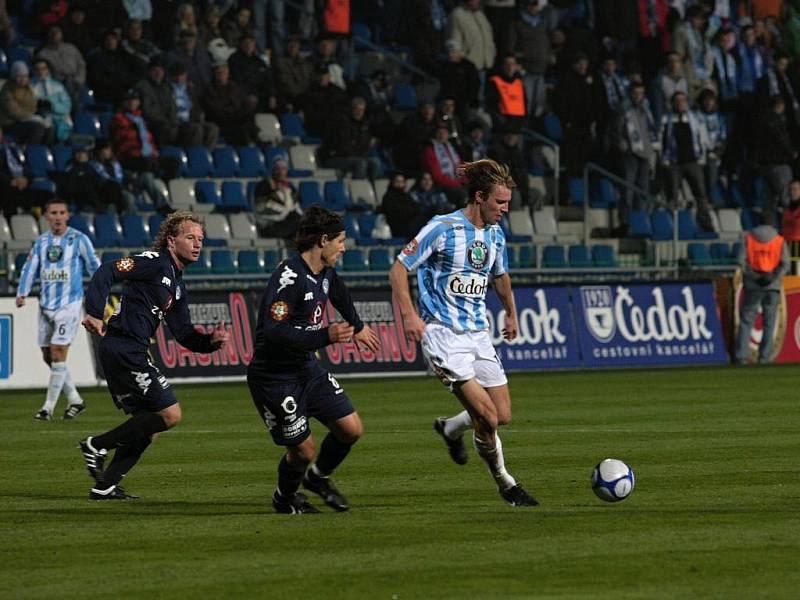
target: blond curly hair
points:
(171, 227)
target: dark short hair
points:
(316, 222)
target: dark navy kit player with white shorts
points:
(153, 291)
(286, 381)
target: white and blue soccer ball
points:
(612, 480)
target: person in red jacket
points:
(790, 222)
(441, 158)
(133, 143)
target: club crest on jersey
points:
(54, 253)
(279, 310)
(477, 254)
(124, 265)
(411, 247)
(326, 285)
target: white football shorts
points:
(455, 356)
(58, 327)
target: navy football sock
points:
(142, 425)
(331, 455)
(289, 477)
(125, 457)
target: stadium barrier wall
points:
(21, 364)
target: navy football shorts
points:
(135, 383)
(287, 406)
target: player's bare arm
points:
(413, 324)
(502, 285)
(340, 332)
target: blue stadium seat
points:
(180, 155)
(251, 162)
(720, 253)
(110, 255)
(206, 191)
(553, 257)
(134, 234)
(87, 124)
(226, 162)
(233, 196)
(661, 222)
(105, 119)
(154, 222)
(380, 259)
(250, 262)
(19, 261)
(699, 254)
(351, 229)
(606, 193)
(361, 34)
(271, 259)
(527, 257)
(4, 66)
(512, 257)
(274, 152)
(292, 126)
(639, 223)
(603, 256)
(552, 127)
(717, 195)
(106, 231)
(15, 53)
(309, 193)
(576, 190)
(759, 192)
(200, 162)
(579, 256)
(62, 154)
(735, 195)
(688, 229)
(736, 249)
(81, 223)
(201, 267)
(222, 262)
(44, 185)
(39, 161)
(336, 196)
(366, 224)
(748, 219)
(405, 97)
(354, 260)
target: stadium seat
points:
(688, 229)
(661, 221)
(17, 52)
(361, 193)
(39, 161)
(251, 162)
(380, 259)
(366, 226)
(222, 262)
(640, 225)
(243, 230)
(180, 155)
(83, 224)
(603, 256)
(604, 195)
(233, 196)
(354, 260)
(105, 120)
(521, 225)
(336, 198)
(44, 185)
(201, 163)
(720, 253)
(730, 224)
(274, 152)
(526, 258)
(303, 159)
(736, 249)
(405, 97)
(699, 254)
(553, 257)
(748, 219)
(309, 193)
(108, 232)
(19, 261)
(134, 232)
(552, 127)
(218, 231)
(272, 258)
(512, 257)
(182, 193)
(351, 228)
(5, 231)
(110, 255)
(579, 257)
(292, 126)
(576, 190)
(250, 262)
(4, 66)
(201, 267)
(87, 124)
(208, 192)
(62, 155)
(226, 162)
(381, 186)
(154, 223)
(269, 128)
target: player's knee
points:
(503, 417)
(486, 423)
(46, 356)
(301, 455)
(352, 435)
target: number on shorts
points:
(62, 329)
(333, 381)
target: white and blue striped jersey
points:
(59, 263)
(455, 261)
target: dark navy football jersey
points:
(290, 320)
(153, 291)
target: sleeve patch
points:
(411, 247)
(279, 311)
(124, 265)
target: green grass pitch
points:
(715, 514)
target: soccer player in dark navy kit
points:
(287, 383)
(153, 291)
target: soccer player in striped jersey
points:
(59, 259)
(456, 256)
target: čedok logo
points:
(468, 286)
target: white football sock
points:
(492, 455)
(73, 397)
(58, 372)
(455, 426)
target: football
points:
(612, 480)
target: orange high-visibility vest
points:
(512, 96)
(337, 16)
(764, 256)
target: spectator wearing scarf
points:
(442, 160)
(691, 44)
